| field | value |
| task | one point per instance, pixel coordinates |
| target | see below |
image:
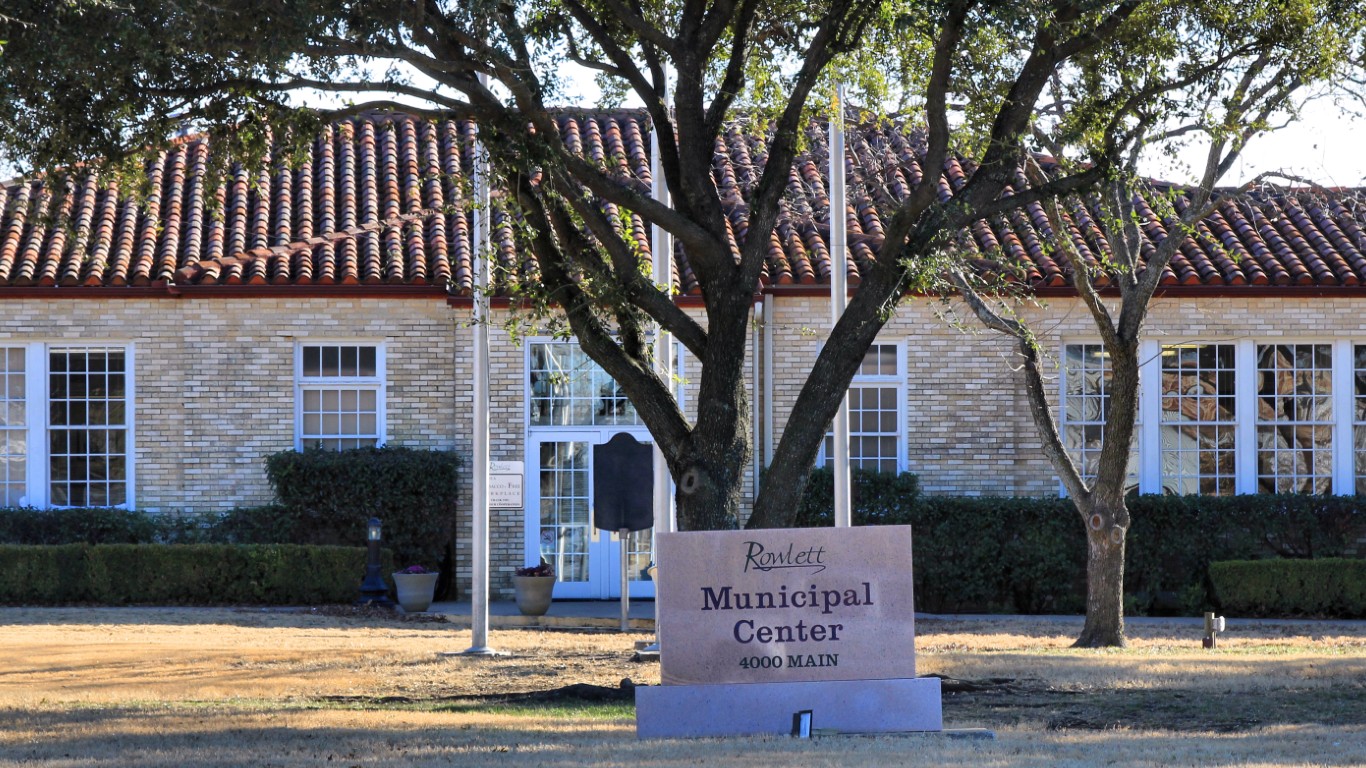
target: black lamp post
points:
(373, 590)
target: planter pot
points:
(415, 590)
(533, 594)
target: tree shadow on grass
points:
(232, 615)
(217, 737)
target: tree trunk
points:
(707, 500)
(1105, 542)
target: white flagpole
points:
(479, 544)
(839, 296)
(661, 252)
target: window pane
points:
(1087, 385)
(339, 418)
(1198, 419)
(886, 356)
(367, 362)
(1359, 415)
(87, 437)
(331, 361)
(874, 426)
(568, 388)
(1294, 418)
(313, 361)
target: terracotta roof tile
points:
(380, 200)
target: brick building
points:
(157, 349)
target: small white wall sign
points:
(505, 484)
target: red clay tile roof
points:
(378, 201)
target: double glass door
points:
(559, 524)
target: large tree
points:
(84, 80)
(1297, 49)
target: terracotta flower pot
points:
(415, 590)
(533, 594)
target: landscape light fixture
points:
(373, 590)
(1213, 625)
(801, 724)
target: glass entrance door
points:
(559, 524)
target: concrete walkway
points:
(563, 614)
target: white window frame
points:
(1335, 400)
(1245, 423)
(37, 491)
(378, 383)
(528, 395)
(879, 381)
(1243, 377)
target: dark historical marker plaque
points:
(623, 484)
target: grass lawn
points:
(227, 687)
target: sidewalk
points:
(563, 614)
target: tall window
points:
(1295, 418)
(1358, 406)
(874, 413)
(1199, 419)
(1087, 378)
(87, 428)
(13, 427)
(340, 396)
(569, 389)
(65, 425)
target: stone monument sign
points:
(760, 627)
(794, 604)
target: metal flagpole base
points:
(478, 650)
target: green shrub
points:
(1333, 587)
(878, 498)
(326, 497)
(998, 554)
(269, 524)
(182, 574)
(89, 525)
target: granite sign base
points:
(738, 709)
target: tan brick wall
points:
(214, 380)
(215, 388)
(968, 430)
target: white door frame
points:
(604, 547)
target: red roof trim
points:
(167, 291)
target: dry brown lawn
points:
(228, 687)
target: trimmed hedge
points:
(1332, 586)
(1028, 555)
(182, 574)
